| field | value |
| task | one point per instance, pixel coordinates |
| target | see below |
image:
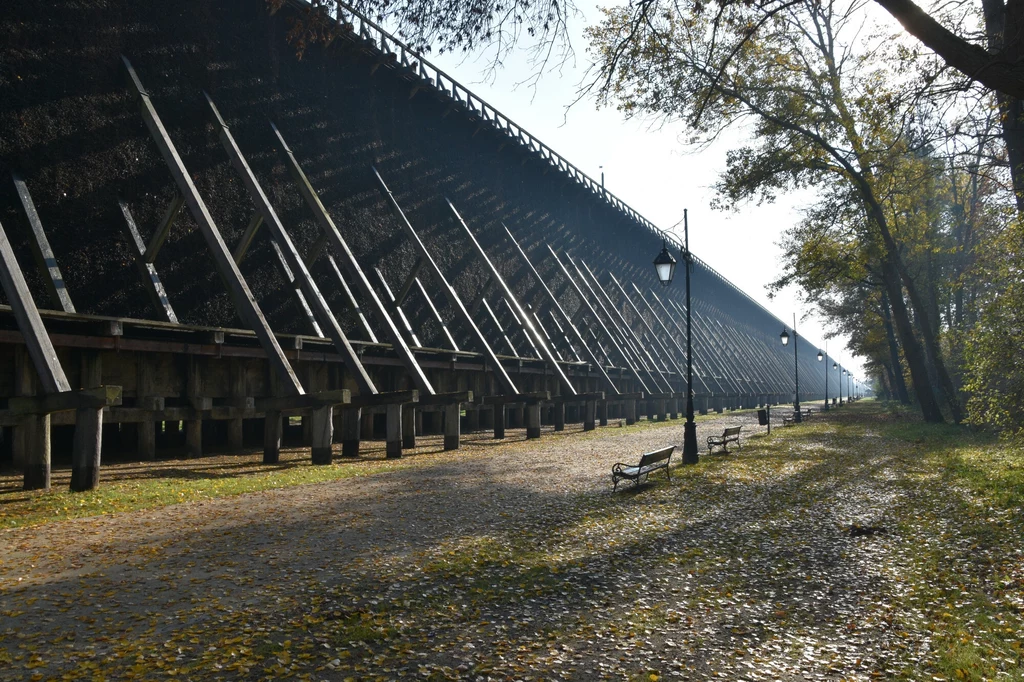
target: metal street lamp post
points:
(796, 368)
(824, 356)
(665, 265)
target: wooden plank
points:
(338, 396)
(44, 357)
(45, 260)
(531, 397)
(147, 271)
(245, 303)
(519, 313)
(437, 316)
(103, 396)
(446, 398)
(504, 380)
(163, 228)
(595, 363)
(341, 248)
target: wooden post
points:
(37, 451)
(350, 432)
(395, 428)
(322, 424)
(409, 427)
(590, 410)
(630, 407)
(238, 390)
(472, 420)
(45, 259)
(145, 386)
(273, 430)
(366, 429)
(559, 410)
(499, 421)
(602, 412)
(452, 414)
(85, 453)
(661, 409)
(193, 392)
(533, 420)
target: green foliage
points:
(995, 364)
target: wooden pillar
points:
(630, 406)
(559, 416)
(351, 423)
(602, 412)
(145, 387)
(649, 404)
(273, 430)
(322, 427)
(409, 427)
(366, 425)
(451, 426)
(499, 421)
(394, 430)
(719, 404)
(36, 429)
(419, 422)
(533, 420)
(194, 427)
(25, 384)
(85, 453)
(661, 410)
(589, 414)
(238, 390)
(472, 420)
(673, 408)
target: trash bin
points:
(762, 417)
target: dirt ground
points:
(503, 560)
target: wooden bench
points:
(805, 413)
(730, 435)
(649, 462)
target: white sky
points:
(652, 171)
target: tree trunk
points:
(912, 350)
(898, 384)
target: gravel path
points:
(504, 560)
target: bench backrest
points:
(656, 456)
(732, 431)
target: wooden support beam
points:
(630, 343)
(307, 401)
(407, 284)
(452, 414)
(394, 430)
(295, 285)
(446, 398)
(145, 386)
(409, 427)
(522, 398)
(533, 420)
(389, 398)
(194, 389)
(589, 415)
(40, 350)
(57, 289)
(147, 271)
(497, 326)
(499, 421)
(100, 397)
(239, 390)
(396, 311)
(504, 380)
(559, 416)
(437, 316)
(368, 293)
(585, 302)
(163, 228)
(289, 255)
(322, 437)
(350, 427)
(242, 247)
(519, 313)
(245, 303)
(87, 448)
(273, 432)
(350, 300)
(596, 364)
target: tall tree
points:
(819, 105)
